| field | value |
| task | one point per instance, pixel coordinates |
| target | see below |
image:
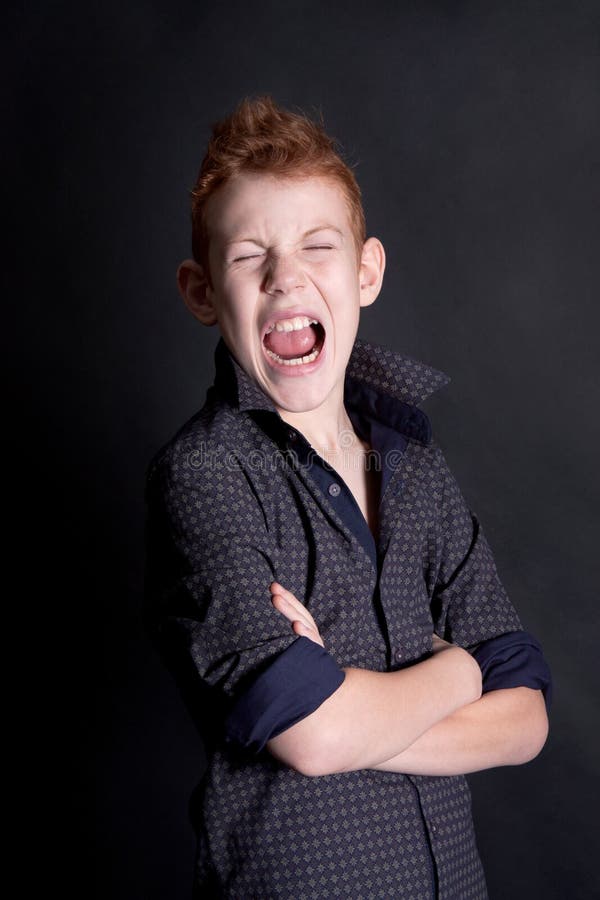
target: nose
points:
(284, 275)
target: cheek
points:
(238, 314)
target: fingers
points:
(439, 644)
(290, 606)
(287, 604)
(277, 588)
(303, 630)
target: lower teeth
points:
(297, 361)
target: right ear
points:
(196, 291)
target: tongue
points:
(290, 344)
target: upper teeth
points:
(294, 324)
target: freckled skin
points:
(272, 267)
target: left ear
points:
(371, 269)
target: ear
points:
(371, 269)
(196, 291)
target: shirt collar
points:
(381, 382)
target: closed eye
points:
(319, 247)
(247, 256)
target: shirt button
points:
(334, 489)
(398, 655)
(292, 435)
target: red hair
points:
(260, 136)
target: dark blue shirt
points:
(237, 499)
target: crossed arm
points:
(427, 719)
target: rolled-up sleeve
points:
(209, 563)
(514, 660)
(295, 683)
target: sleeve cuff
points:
(293, 686)
(514, 660)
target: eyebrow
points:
(323, 228)
(317, 228)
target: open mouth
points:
(294, 342)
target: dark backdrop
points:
(475, 131)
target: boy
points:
(326, 600)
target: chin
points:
(307, 401)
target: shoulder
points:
(206, 475)
(425, 473)
(201, 454)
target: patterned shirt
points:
(237, 499)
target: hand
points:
(302, 622)
(472, 670)
(462, 657)
(439, 644)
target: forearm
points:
(502, 728)
(375, 716)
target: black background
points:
(475, 131)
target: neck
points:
(327, 428)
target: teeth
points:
(294, 324)
(298, 361)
